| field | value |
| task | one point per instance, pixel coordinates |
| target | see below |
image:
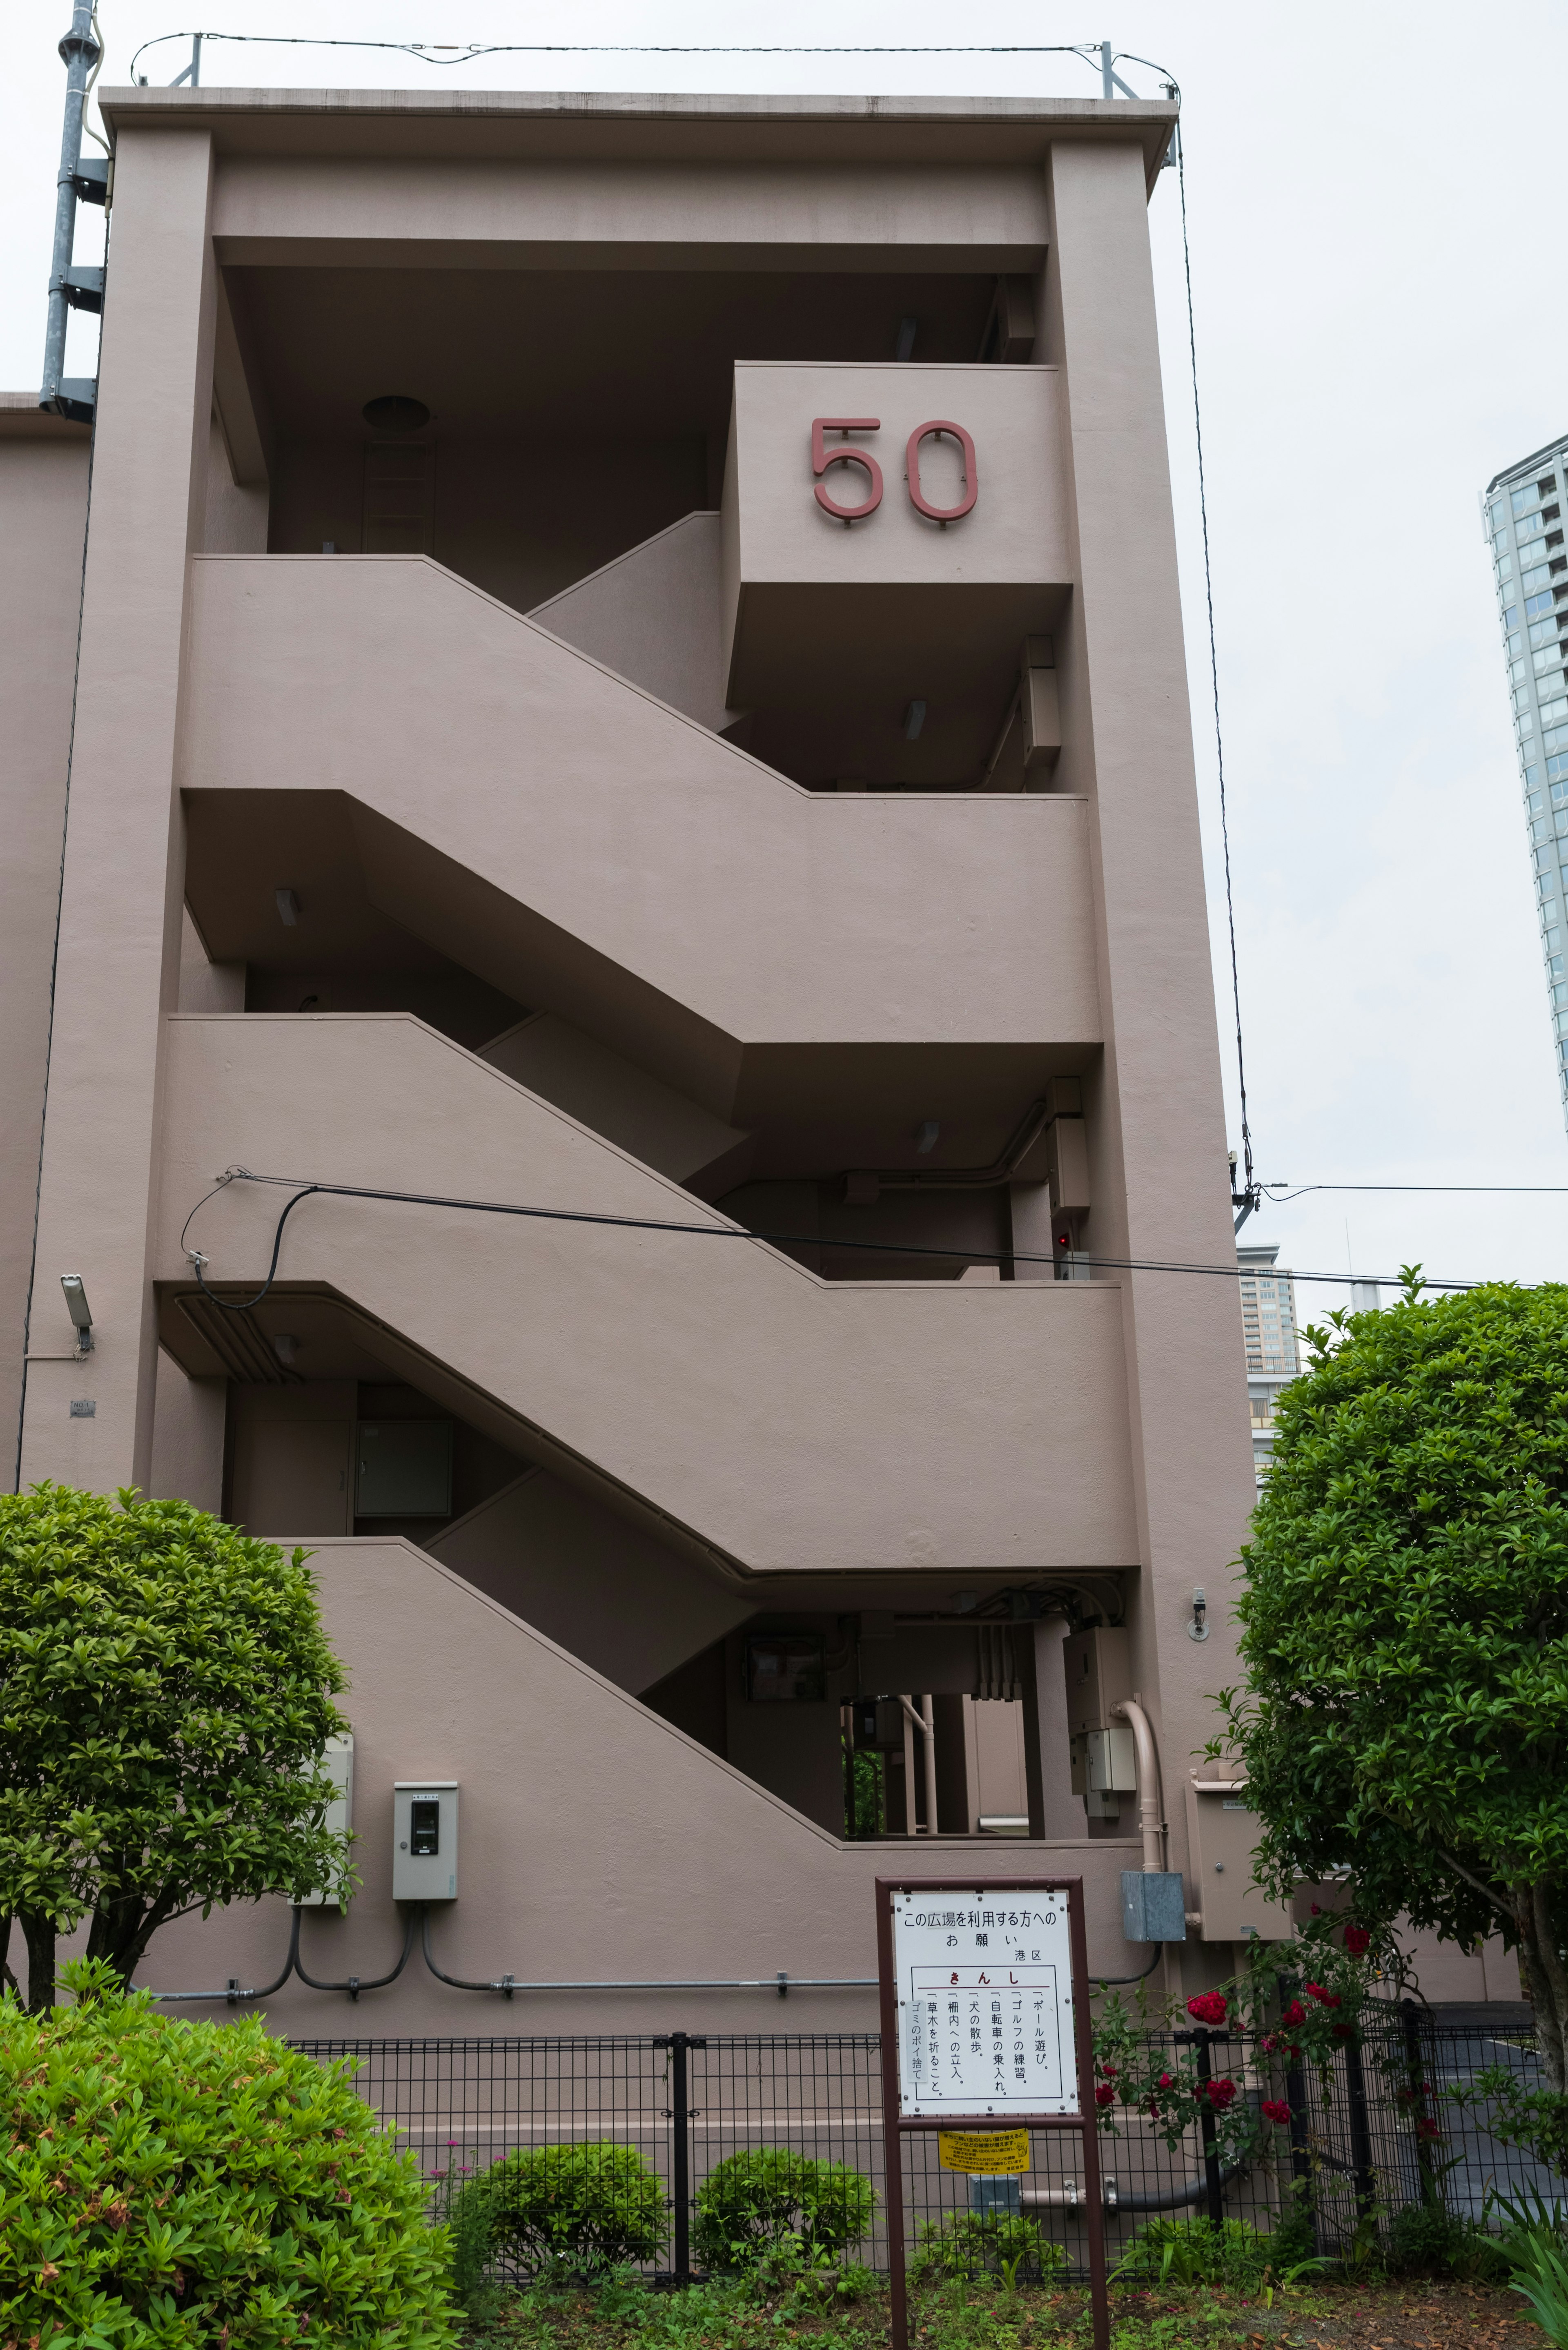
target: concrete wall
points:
(597, 1842)
(43, 519)
(797, 1425)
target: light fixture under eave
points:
(926, 1136)
(78, 1309)
(285, 1346)
(914, 719)
(287, 909)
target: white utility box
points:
(424, 1840)
(337, 1761)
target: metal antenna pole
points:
(1107, 79)
(79, 49)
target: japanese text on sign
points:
(985, 2011)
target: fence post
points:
(1216, 2198)
(1415, 2070)
(1360, 2130)
(1300, 2155)
(679, 2110)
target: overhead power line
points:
(305, 1188)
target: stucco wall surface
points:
(597, 1843)
(43, 515)
(795, 1423)
(762, 911)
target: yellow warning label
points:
(984, 2152)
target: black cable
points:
(726, 1231)
(1109, 1983)
(1481, 1191)
(233, 1992)
(459, 53)
(353, 1985)
(1249, 1192)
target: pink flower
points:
(1105, 2095)
(1275, 2109)
(1356, 1940)
(1209, 2007)
(1316, 1910)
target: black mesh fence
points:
(1369, 2134)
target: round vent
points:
(396, 414)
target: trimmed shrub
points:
(970, 2244)
(751, 2205)
(559, 2212)
(164, 2183)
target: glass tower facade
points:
(1273, 1355)
(1522, 514)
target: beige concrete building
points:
(629, 664)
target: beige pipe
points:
(925, 1721)
(1148, 1785)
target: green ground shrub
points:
(753, 2204)
(1428, 2240)
(969, 2244)
(557, 2213)
(165, 2183)
(1194, 2251)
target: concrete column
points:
(1159, 1188)
(120, 924)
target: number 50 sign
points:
(822, 457)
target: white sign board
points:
(984, 1989)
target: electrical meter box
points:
(879, 1725)
(1105, 1762)
(337, 1762)
(1098, 1666)
(424, 1840)
(1222, 1830)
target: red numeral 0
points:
(821, 457)
(912, 470)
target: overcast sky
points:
(1371, 192)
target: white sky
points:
(1372, 203)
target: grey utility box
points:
(424, 1840)
(1153, 1905)
(1097, 1664)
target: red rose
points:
(1105, 2095)
(1356, 1940)
(1109, 2071)
(1165, 2082)
(1209, 2007)
(1324, 1997)
(1221, 2093)
(1275, 2109)
(1295, 2014)
(1428, 2130)
(1342, 2030)
(1316, 1910)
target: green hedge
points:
(165, 2183)
(771, 2199)
(558, 2211)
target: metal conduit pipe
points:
(925, 1721)
(1071, 2197)
(234, 1992)
(1151, 1814)
(782, 1983)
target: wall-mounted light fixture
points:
(287, 909)
(914, 719)
(1198, 1627)
(285, 1347)
(926, 1136)
(78, 1309)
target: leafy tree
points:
(1404, 1627)
(165, 1697)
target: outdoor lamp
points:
(78, 1309)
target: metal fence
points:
(1354, 2153)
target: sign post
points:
(984, 1989)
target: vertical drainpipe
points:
(79, 48)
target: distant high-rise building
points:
(1273, 1357)
(1522, 512)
